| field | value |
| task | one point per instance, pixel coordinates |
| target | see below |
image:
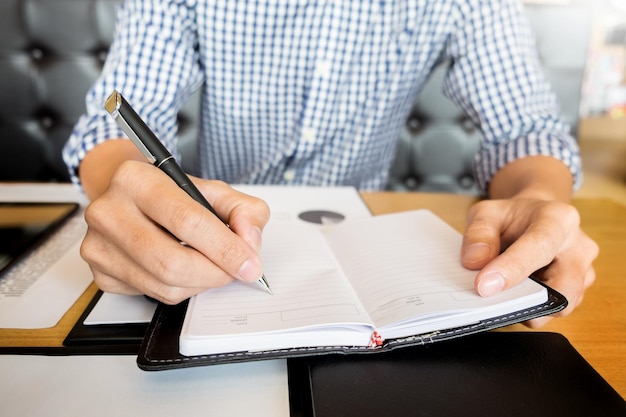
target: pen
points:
(152, 148)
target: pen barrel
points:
(175, 172)
(142, 131)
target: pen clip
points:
(112, 105)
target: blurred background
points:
(602, 109)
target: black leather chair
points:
(52, 50)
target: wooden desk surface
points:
(597, 328)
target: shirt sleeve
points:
(495, 76)
(153, 62)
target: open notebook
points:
(364, 285)
(356, 284)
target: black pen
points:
(152, 148)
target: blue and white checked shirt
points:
(316, 92)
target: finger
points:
(115, 271)
(572, 272)
(481, 239)
(534, 249)
(573, 295)
(245, 214)
(112, 285)
(167, 295)
(538, 322)
(193, 224)
(110, 240)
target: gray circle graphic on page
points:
(321, 217)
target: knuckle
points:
(113, 285)
(95, 213)
(186, 221)
(172, 295)
(543, 246)
(593, 249)
(125, 171)
(170, 269)
(261, 207)
(102, 282)
(590, 278)
(88, 250)
(105, 283)
(479, 207)
(566, 214)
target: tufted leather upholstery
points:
(51, 51)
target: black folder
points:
(513, 374)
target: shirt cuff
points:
(491, 158)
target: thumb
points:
(481, 240)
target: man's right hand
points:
(136, 226)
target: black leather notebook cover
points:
(160, 350)
(513, 374)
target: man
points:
(315, 93)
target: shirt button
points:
(309, 135)
(322, 68)
(289, 175)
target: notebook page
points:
(408, 264)
(309, 290)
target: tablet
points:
(23, 226)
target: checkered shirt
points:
(316, 92)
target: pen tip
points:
(263, 283)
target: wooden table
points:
(597, 328)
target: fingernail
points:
(476, 252)
(490, 284)
(250, 270)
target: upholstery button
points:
(46, 122)
(102, 55)
(467, 125)
(466, 182)
(411, 183)
(36, 53)
(413, 124)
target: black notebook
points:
(365, 286)
(513, 374)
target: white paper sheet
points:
(120, 309)
(95, 386)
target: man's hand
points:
(135, 229)
(535, 236)
(530, 228)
